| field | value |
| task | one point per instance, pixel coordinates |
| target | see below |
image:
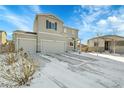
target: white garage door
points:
(51, 46)
(28, 45)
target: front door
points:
(107, 45)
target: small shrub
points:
(11, 58)
(17, 69)
(10, 47)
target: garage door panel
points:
(27, 44)
(52, 46)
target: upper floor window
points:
(47, 24)
(50, 25)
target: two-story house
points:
(49, 36)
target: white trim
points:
(60, 41)
(45, 40)
(26, 38)
(53, 40)
(51, 34)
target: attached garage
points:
(40, 42)
(52, 46)
(28, 45)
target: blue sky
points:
(90, 20)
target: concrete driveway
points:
(78, 71)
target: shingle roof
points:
(108, 36)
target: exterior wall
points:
(70, 48)
(100, 47)
(119, 49)
(100, 41)
(70, 32)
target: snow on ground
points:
(114, 57)
(73, 70)
(78, 70)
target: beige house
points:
(110, 43)
(49, 36)
(3, 36)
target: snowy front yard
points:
(72, 70)
(77, 71)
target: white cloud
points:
(20, 22)
(102, 22)
(92, 17)
(35, 8)
(112, 19)
(104, 19)
(2, 8)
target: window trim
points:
(51, 25)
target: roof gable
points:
(51, 16)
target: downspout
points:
(97, 44)
(80, 47)
(114, 46)
(37, 43)
(74, 44)
(37, 35)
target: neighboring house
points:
(49, 35)
(110, 43)
(3, 36)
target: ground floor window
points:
(120, 43)
(71, 44)
(95, 44)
